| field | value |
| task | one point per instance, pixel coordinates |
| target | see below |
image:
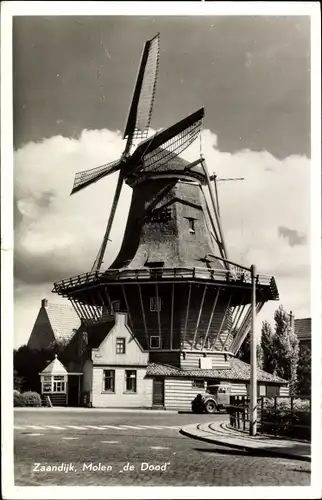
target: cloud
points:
(57, 235)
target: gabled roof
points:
(55, 368)
(237, 370)
(63, 319)
(302, 328)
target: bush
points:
(31, 399)
(17, 399)
(295, 423)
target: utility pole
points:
(253, 361)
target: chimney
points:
(44, 303)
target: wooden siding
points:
(57, 399)
(238, 389)
(187, 330)
(120, 399)
(194, 337)
(106, 353)
(190, 360)
(179, 393)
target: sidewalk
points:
(220, 433)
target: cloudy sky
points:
(73, 80)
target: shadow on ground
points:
(231, 452)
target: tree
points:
(244, 351)
(280, 349)
(304, 372)
(17, 381)
(28, 363)
(266, 348)
(285, 348)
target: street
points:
(98, 448)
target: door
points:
(158, 392)
(74, 390)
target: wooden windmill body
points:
(172, 276)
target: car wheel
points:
(211, 407)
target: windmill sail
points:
(139, 118)
(174, 140)
(88, 177)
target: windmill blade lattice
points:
(174, 140)
(88, 177)
(140, 113)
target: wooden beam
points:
(199, 315)
(216, 193)
(99, 260)
(242, 327)
(172, 311)
(158, 311)
(187, 314)
(143, 316)
(217, 238)
(238, 314)
(75, 306)
(259, 306)
(88, 312)
(109, 300)
(212, 197)
(127, 308)
(223, 321)
(93, 311)
(211, 317)
(83, 311)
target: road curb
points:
(186, 431)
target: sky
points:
(73, 81)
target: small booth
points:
(60, 387)
(54, 380)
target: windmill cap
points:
(175, 167)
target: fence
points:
(280, 415)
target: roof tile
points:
(302, 328)
(63, 319)
(238, 370)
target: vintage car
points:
(216, 397)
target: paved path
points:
(90, 440)
(85, 427)
(221, 433)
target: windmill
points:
(172, 276)
(152, 153)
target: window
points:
(262, 390)
(191, 223)
(154, 342)
(198, 384)
(120, 345)
(155, 304)
(130, 380)
(109, 380)
(46, 383)
(59, 383)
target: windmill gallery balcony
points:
(172, 308)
